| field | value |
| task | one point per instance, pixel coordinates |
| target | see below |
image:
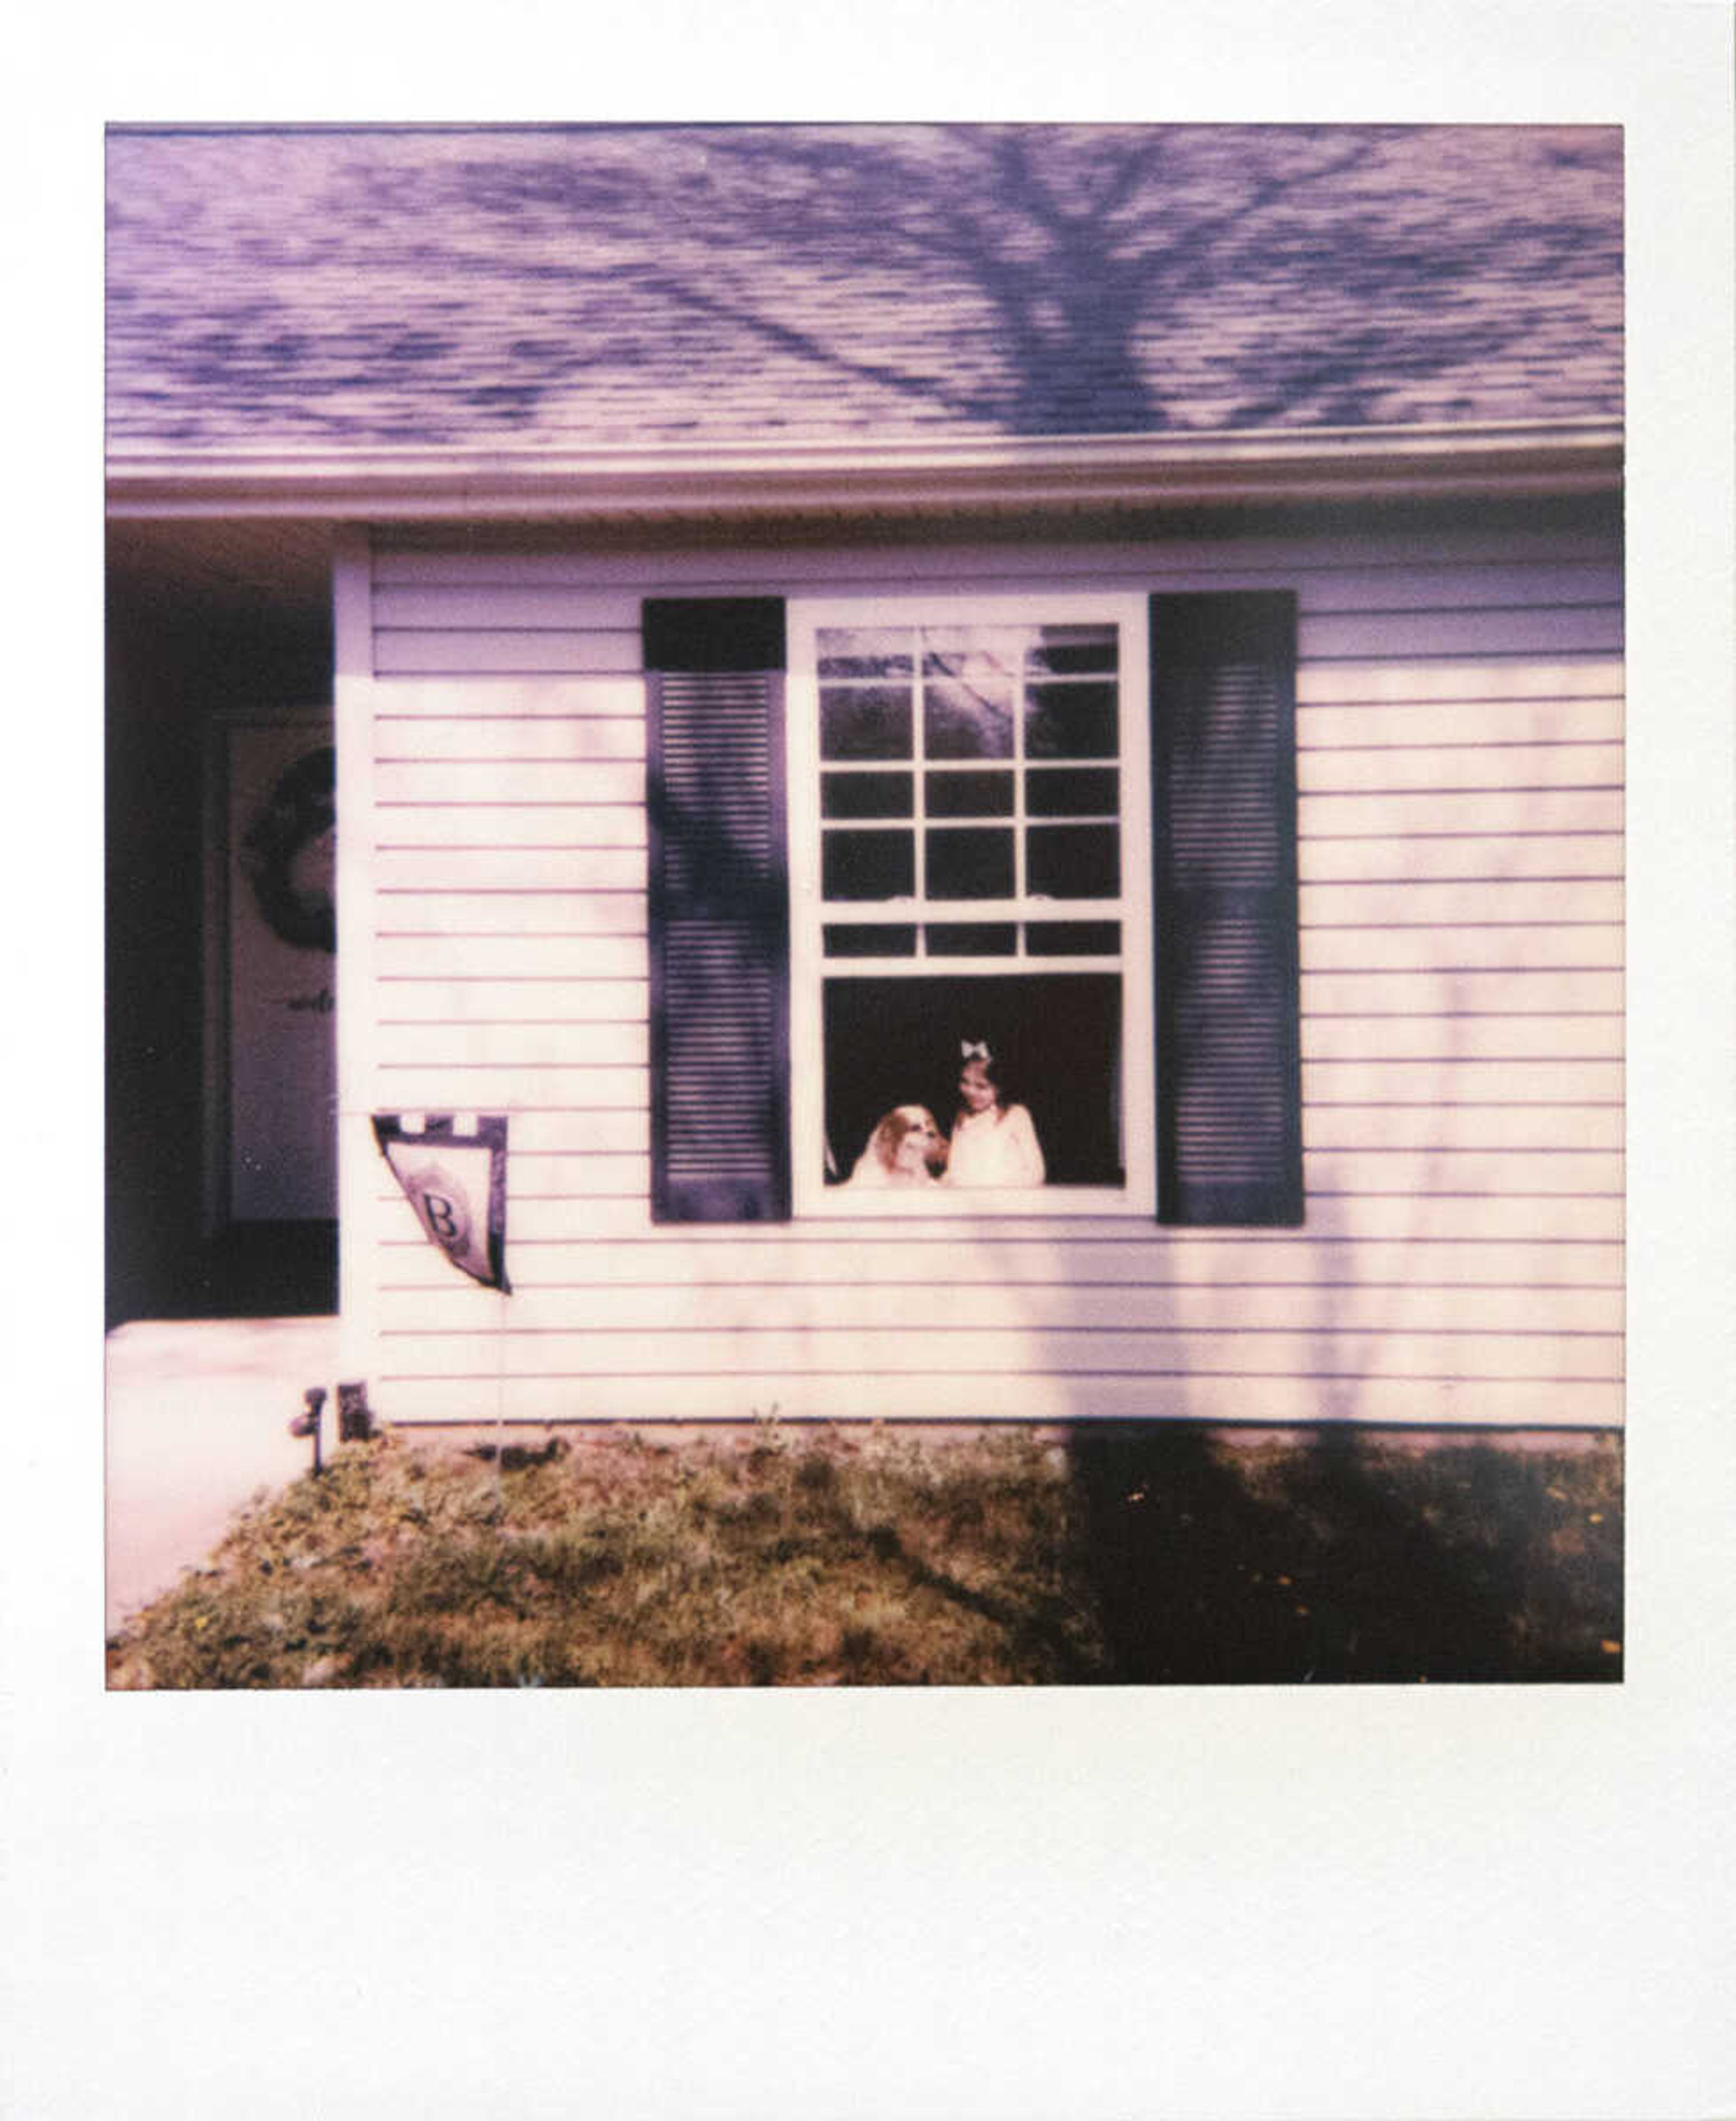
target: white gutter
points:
(864, 476)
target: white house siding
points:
(1459, 728)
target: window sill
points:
(976, 1204)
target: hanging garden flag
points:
(454, 1175)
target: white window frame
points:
(812, 1197)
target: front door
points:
(278, 1133)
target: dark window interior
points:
(895, 1041)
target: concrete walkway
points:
(197, 1415)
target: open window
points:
(1060, 826)
(969, 852)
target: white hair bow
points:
(975, 1050)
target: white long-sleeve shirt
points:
(998, 1147)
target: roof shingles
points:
(641, 286)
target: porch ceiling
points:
(227, 568)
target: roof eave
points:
(844, 477)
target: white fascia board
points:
(849, 477)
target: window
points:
(968, 791)
(1062, 827)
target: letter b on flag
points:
(455, 1177)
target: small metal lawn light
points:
(307, 1423)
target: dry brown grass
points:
(1129, 1554)
(623, 1563)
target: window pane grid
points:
(1020, 877)
(983, 725)
(918, 718)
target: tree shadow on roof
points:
(1020, 280)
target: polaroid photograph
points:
(898, 1080)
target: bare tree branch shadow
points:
(1022, 276)
(1014, 279)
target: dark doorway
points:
(177, 663)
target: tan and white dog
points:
(906, 1148)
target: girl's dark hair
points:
(993, 1067)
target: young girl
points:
(992, 1143)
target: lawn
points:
(1124, 1554)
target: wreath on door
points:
(288, 851)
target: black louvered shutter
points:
(719, 921)
(1224, 908)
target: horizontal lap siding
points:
(1034, 1395)
(1460, 726)
(1351, 1314)
(1124, 1257)
(544, 1236)
(605, 1348)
